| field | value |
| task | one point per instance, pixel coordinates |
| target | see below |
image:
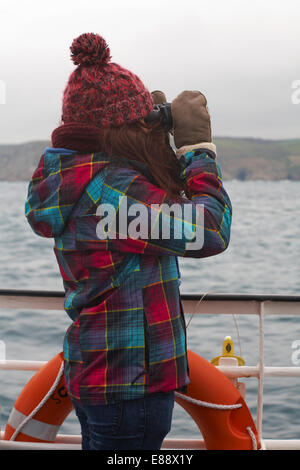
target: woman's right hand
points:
(191, 119)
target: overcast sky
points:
(244, 55)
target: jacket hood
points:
(57, 185)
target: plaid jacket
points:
(127, 336)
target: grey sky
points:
(244, 55)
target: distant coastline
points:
(240, 158)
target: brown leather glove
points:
(158, 97)
(191, 119)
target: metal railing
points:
(215, 304)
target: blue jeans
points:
(126, 425)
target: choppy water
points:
(263, 257)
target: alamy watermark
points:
(2, 351)
(295, 97)
(152, 222)
(296, 354)
(2, 92)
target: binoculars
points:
(161, 113)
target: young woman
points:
(121, 206)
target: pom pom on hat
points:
(90, 49)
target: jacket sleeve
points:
(136, 216)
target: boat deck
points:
(215, 304)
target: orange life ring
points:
(229, 428)
(223, 428)
(42, 406)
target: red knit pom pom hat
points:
(101, 93)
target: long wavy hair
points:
(147, 143)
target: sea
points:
(263, 257)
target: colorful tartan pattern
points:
(127, 338)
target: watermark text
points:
(152, 222)
(296, 353)
(296, 93)
(2, 92)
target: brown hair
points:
(147, 143)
